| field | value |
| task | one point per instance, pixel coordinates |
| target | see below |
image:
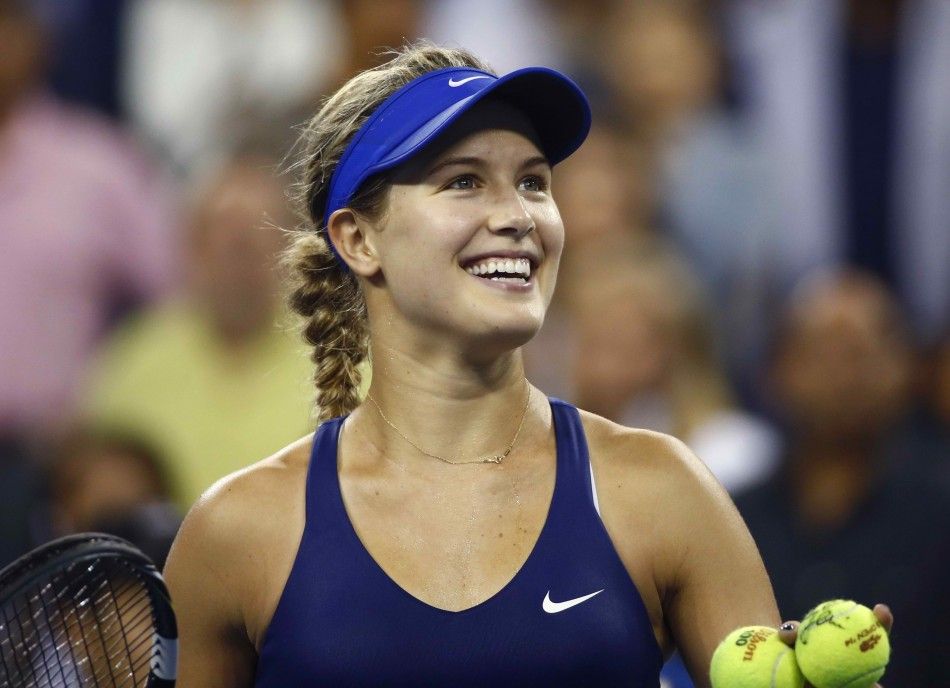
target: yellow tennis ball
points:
(841, 644)
(754, 657)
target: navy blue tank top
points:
(341, 621)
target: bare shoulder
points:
(241, 536)
(243, 506)
(628, 453)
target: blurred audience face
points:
(603, 189)
(630, 316)
(22, 50)
(843, 363)
(97, 481)
(624, 351)
(662, 61)
(234, 248)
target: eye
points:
(463, 182)
(533, 183)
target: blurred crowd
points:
(757, 260)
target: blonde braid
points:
(332, 304)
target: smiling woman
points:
(449, 531)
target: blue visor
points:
(417, 113)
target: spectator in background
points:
(605, 192)
(853, 100)
(86, 234)
(646, 358)
(714, 190)
(849, 485)
(662, 60)
(103, 481)
(182, 374)
(201, 74)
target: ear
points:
(353, 243)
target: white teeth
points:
(511, 266)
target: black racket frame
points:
(56, 555)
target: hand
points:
(788, 631)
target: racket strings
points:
(91, 624)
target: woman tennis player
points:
(458, 528)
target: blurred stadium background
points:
(758, 259)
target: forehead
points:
(479, 128)
(853, 307)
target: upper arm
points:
(712, 575)
(203, 573)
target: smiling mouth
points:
(499, 269)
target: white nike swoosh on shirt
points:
(555, 607)
(455, 84)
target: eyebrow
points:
(473, 161)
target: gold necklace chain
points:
(497, 458)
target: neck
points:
(456, 412)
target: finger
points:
(884, 615)
(788, 632)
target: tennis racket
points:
(86, 610)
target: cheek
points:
(551, 229)
(551, 235)
(418, 252)
(429, 231)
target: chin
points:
(500, 338)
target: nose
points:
(509, 215)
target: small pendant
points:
(494, 459)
